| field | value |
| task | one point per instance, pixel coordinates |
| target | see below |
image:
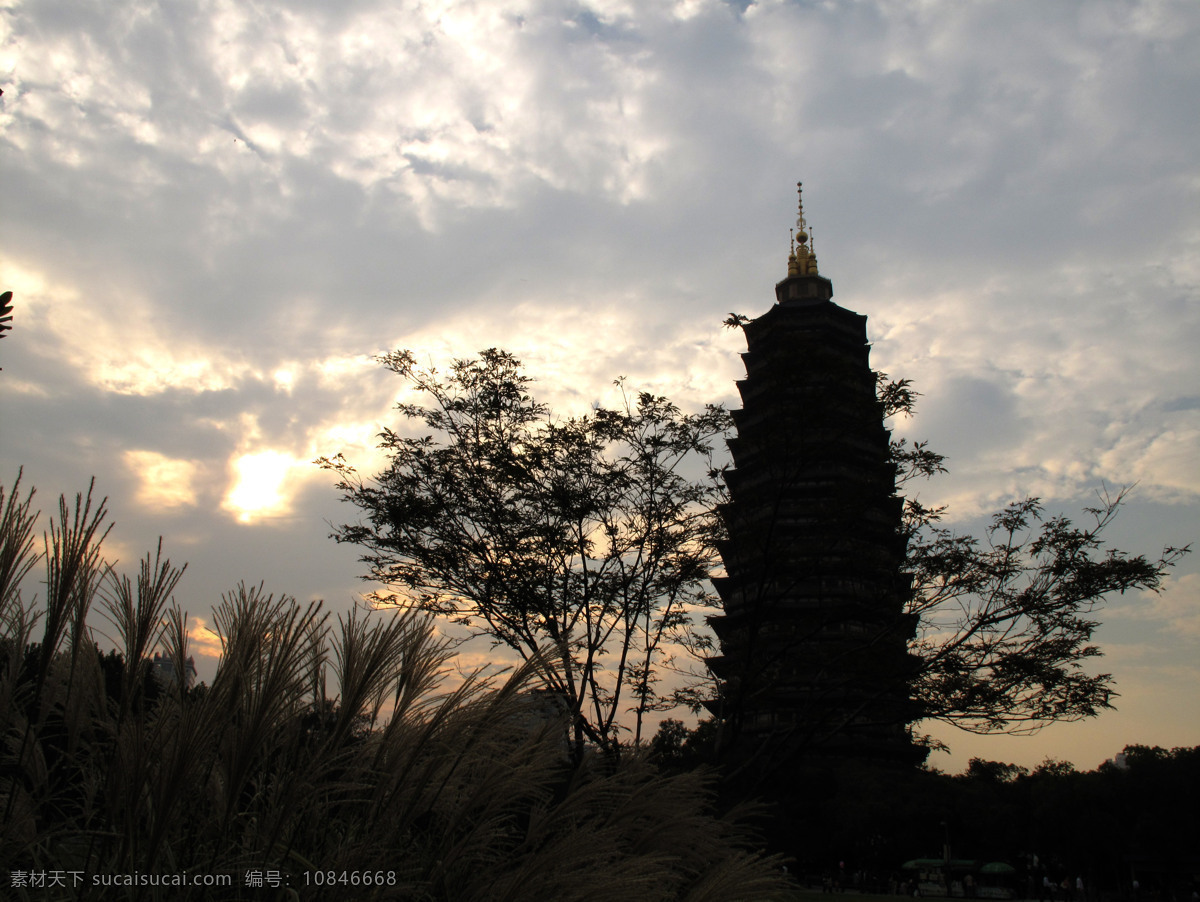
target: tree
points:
(585, 541)
(5, 313)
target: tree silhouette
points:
(587, 537)
(5, 313)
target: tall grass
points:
(460, 793)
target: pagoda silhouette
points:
(813, 636)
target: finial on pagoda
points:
(802, 261)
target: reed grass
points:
(462, 792)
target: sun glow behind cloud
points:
(263, 486)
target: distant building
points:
(168, 673)
(813, 638)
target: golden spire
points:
(803, 260)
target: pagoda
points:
(813, 636)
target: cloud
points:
(1173, 611)
(165, 483)
(1052, 384)
(398, 172)
(202, 640)
(114, 341)
(215, 213)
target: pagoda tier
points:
(814, 637)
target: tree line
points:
(1127, 830)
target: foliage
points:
(676, 748)
(459, 792)
(589, 536)
(1007, 622)
(994, 771)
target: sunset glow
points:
(260, 488)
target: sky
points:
(213, 213)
